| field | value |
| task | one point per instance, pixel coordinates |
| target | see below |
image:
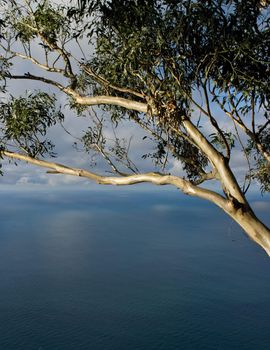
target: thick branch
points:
(110, 100)
(227, 178)
(205, 177)
(87, 100)
(154, 178)
(262, 150)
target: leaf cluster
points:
(217, 140)
(261, 171)
(171, 46)
(45, 19)
(25, 122)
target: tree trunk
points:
(254, 228)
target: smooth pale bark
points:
(154, 178)
(254, 228)
(263, 152)
(227, 178)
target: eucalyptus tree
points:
(193, 75)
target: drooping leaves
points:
(261, 170)
(25, 121)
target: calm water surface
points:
(120, 270)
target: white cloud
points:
(56, 180)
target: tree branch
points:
(263, 127)
(253, 137)
(214, 122)
(245, 188)
(154, 178)
(227, 178)
(34, 61)
(110, 100)
(87, 100)
(53, 47)
(29, 76)
(206, 176)
(106, 83)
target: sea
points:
(128, 269)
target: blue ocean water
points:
(127, 270)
